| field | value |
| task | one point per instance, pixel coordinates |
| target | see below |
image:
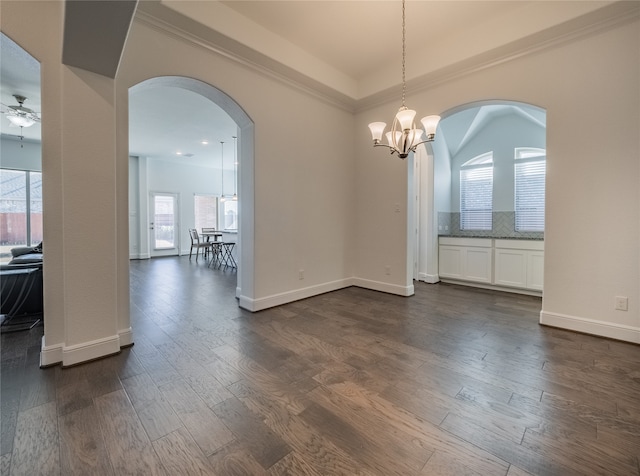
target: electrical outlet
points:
(622, 303)
(301, 273)
(397, 208)
(387, 270)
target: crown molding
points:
(160, 18)
(156, 16)
(610, 16)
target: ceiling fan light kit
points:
(404, 137)
(21, 116)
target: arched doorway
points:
(467, 131)
(21, 198)
(245, 167)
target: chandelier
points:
(404, 137)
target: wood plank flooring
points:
(451, 381)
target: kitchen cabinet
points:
(468, 259)
(519, 263)
(516, 264)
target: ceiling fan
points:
(20, 116)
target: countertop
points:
(492, 237)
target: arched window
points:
(476, 193)
(530, 170)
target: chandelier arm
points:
(391, 148)
(419, 143)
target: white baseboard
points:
(126, 337)
(75, 354)
(84, 352)
(591, 326)
(384, 287)
(528, 292)
(50, 355)
(139, 256)
(254, 305)
(429, 278)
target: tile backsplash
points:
(504, 226)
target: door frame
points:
(176, 249)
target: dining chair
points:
(195, 243)
(207, 233)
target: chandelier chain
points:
(404, 83)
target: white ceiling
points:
(351, 46)
(171, 123)
(360, 38)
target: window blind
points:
(529, 196)
(476, 197)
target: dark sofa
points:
(21, 285)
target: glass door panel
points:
(164, 224)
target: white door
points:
(164, 224)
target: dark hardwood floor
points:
(454, 380)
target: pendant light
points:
(404, 137)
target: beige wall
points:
(79, 190)
(302, 166)
(590, 91)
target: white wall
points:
(166, 176)
(77, 166)
(593, 170)
(303, 196)
(325, 201)
(303, 204)
(500, 136)
(442, 178)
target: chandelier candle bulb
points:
(377, 129)
(405, 118)
(430, 124)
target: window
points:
(229, 215)
(206, 211)
(476, 193)
(530, 170)
(20, 208)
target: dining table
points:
(207, 235)
(211, 234)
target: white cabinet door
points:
(535, 270)
(466, 263)
(508, 263)
(511, 268)
(450, 262)
(477, 264)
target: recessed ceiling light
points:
(178, 153)
(204, 142)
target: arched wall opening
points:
(21, 206)
(465, 131)
(245, 170)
